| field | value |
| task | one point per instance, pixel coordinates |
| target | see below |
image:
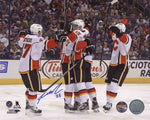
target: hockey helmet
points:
(36, 28)
(79, 23)
(121, 27)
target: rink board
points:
(95, 81)
(139, 71)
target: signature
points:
(56, 91)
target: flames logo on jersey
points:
(52, 69)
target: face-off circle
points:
(9, 104)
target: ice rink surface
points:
(53, 106)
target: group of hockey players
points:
(77, 53)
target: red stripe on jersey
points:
(66, 59)
(32, 97)
(92, 91)
(76, 94)
(111, 33)
(80, 45)
(27, 93)
(51, 44)
(77, 55)
(124, 38)
(35, 64)
(72, 36)
(83, 92)
(110, 94)
(68, 95)
(123, 59)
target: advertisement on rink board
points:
(52, 69)
(138, 69)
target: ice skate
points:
(32, 110)
(68, 108)
(95, 105)
(84, 106)
(76, 106)
(107, 107)
(27, 105)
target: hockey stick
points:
(101, 57)
(44, 90)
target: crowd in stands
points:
(50, 13)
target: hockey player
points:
(119, 64)
(87, 73)
(86, 48)
(73, 36)
(66, 63)
(81, 92)
(32, 46)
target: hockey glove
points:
(68, 28)
(90, 49)
(60, 38)
(23, 33)
(87, 24)
(114, 29)
(88, 41)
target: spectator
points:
(124, 20)
(84, 6)
(135, 32)
(129, 27)
(50, 32)
(133, 54)
(98, 49)
(89, 8)
(100, 24)
(3, 33)
(3, 51)
(135, 44)
(5, 41)
(14, 52)
(106, 51)
(145, 28)
(27, 12)
(113, 22)
(117, 19)
(143, 53)
(141, 19)
(69, 14)
(114, 11)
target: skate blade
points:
(69, 111)
(106, 111)
(96, 110)
(83, 111)
(30, 113)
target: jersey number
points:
(27, 48)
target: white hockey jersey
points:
(32, 46)
(121, 47)
(68, 45)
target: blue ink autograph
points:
(56, 91)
